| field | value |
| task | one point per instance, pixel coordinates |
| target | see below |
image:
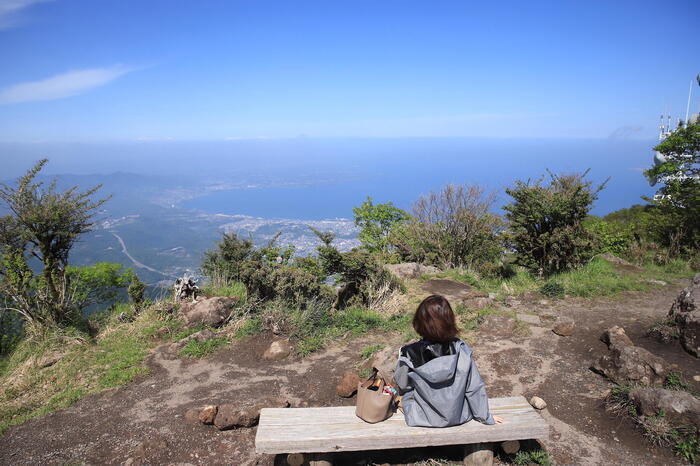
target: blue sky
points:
(127, 70)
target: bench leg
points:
(478, 454)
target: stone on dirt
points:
(678, 406)
(632, 364)
(685, 312)
(208, 414)
(212, 312)
(616, 335)
(385, 362)
(538, 403)
(230, 416)
(510, 447)
(348, 384)
(564, 326)
(411, 270)
(278, 349)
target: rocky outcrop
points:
(212, 312)
(632, 364)
(278, 350)
(616, 336)
(411, 270)
(685, 312)
(679, 407)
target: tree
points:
(678, 204)
(376, 221)
(545, 222)
(41, 227)
(451, 228)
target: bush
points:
(615, 238)
(546, 222)
(553, 289)
(450, 229)
(376, 221)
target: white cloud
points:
(10, 9)
(62, 85)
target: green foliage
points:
(688, 448)
(376, 221)
(43, 224)
(676, 381)
(533, 456)
(136, 292)
(200, 349)
(369, 351)
(229, 289)
(613, 237)
(678, 216)
(546, 222)
(251, 326)
(100, 283)
(452, 228)
(553, 289)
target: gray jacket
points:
(441, 385)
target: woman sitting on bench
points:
(437, 376)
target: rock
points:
(208, 414)
(278, 349)
(616, 336)
(479, 302)
(192, 415)
(621, 263)
(49, 360)
(229, 416)
(478, 454)
(625, 364)
(385, 361)
(678, 407)
(202, 335)
(295, 459)
(510, 447)
(411, 270)
(564, 326)
(498, 324)
(663, 333)
(212, 312)
(150, 447)
(348, 384)
(696, 378)
(538, 403)
(685, 312)
(454, 291)
(653, 282)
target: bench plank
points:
(315, 430)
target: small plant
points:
(199, 349)
(553, 289)
(688, 448)
(369, 351)
(534, 456)
(250, 327)
(676, 381)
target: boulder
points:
(454, 291)
(538, 403)
(564, 326)
(208, 414)
(685, 312)
(212, 312)
(632, 364)
(411, 270)
(616, 336)
(678, 407)
(278, 349)
(348, 384)
(230, 416)
(385, 361)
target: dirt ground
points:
(143, 422)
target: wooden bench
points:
(319, 431)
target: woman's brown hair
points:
(434, 320)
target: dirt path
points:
(144, 421)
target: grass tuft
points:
(200, 349)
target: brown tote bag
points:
(372, 404)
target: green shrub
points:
(615, 238)
(376, 221)
(534, 456)
(553, 289)
(545, 222)
(252, 326)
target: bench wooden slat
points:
(315, 430)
